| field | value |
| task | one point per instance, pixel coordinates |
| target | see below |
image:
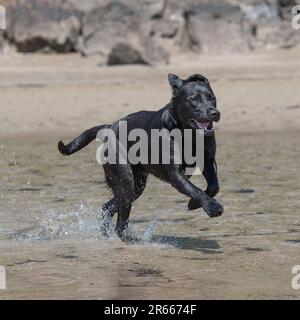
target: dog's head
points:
(194, 103)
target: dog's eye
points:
(196, 99)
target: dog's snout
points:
(214, 114)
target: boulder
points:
(124, 54)
(155, 8)
(268, 24)
(165, 28)
(43, 25)
(145, 31)
(120, 22)
(214, 27)
(285, 7)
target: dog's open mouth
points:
(206, 126)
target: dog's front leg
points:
(210, 175)
(180, 182)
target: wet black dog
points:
(193, 106)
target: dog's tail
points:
(81, 141)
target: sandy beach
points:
(49, 205)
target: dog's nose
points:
(214, 114)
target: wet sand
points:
(49, 205)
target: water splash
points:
(149, 232)
(82, 223)
(86, 222)
(107, 228)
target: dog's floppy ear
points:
(197, 77)
(175, 83)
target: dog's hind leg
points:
(120, 178)
(109, 208)
(140, 179)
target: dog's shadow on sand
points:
(189, 243)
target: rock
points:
(165, 28)
(107, 25)
(214, 27)
(124, 54)
(268, 24)
(145, 31)
(285, 8)
(43, 25)
(120, 22)
(143, 52)
(155, 8)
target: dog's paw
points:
(213, 208)
(129, 239)
(126, 236)
(194, 204)
(62, 148)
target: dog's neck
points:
(169, 117)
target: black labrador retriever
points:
(193, 106)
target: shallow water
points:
(49, 232)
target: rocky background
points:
(147, 31)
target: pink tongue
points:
(203, 125)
